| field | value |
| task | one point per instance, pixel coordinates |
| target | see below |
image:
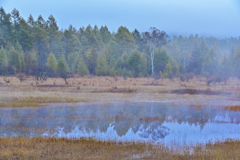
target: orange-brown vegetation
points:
(233, 108)
(106, 89)
(90, 148)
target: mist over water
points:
(141, 121)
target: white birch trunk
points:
(152, 57)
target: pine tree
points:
(63, 69)
(168, 71)
(52, 32)
(41, 45)
(24, 36)
(31, 21)
(3, 61)
(101, 68)
(31, 62)
(160, 60)
(92, 41)
(134, 63)
(51, 62)
(105, 34)
(14, 59)
(125, 40)
(82, 68)
(92, 60)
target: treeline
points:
(39, 48)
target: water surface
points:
(146, 121)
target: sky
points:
(219, 18)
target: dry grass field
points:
(112, 89)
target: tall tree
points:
(92, 60)
(52, 32)
(105, 34)
(31, 21)
(41, 22)
(125, 40)
(154, 38)
(82, 68)
(3, 61)
(41, 45)
(16, 19)
(51, 62)
(63, 69)
(101, 68)
(160, 60)
(14, 59)
(24, 36)
(134, 63)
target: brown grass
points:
(111, 89)
(50, 100)
(19, 104)
(37, 101)
(90, 148)
(233, 108)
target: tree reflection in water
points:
(145, 120)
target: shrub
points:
(21, 77)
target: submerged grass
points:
(90, 148)
(19, 104)
(233, 108)
(37, 101)
(51, 100)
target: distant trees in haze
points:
(38, 48)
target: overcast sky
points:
(220, 18)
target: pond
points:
(155, 122)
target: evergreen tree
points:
(125, 40)
(101, 68)
(41, 22)
(14, 59)
(24, 36)
(105, 34)
(210, 62)
(82, 68)
(93, 42)
(198, 58)
(41, 45)
(134, 63)
(225, 66)
(84, 42)
(31, 21)
(3, 61)
(52, 32)
(235, 64)
(31, 62)
(161, 59)
(92, 60)
(22, 61)
(62, 69)
(51, 62)
(168, 71)
(88, 31)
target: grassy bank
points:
(38, 101)
(89, 148)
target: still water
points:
(146, 121)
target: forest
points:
(37, 47)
